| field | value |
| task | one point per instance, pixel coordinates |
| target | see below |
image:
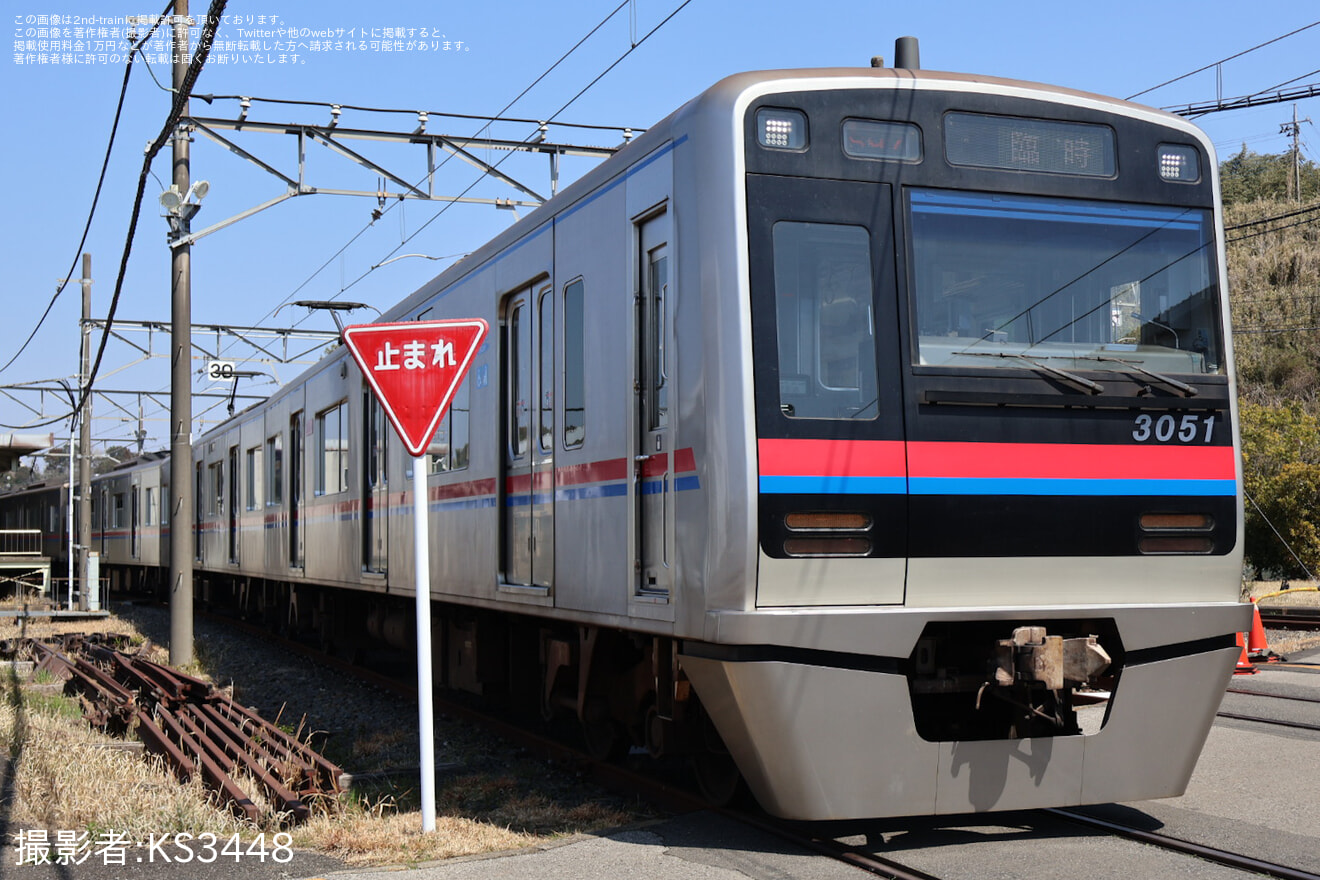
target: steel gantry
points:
(334, 137)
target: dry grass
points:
(64, 775)
(397, 838)
(64, 778)
(1285, 641)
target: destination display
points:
(1049, 147)
(869, 139)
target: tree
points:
(114, 456)
(56, 463)
(1281, 478)
(19, 476)
(1250, 176)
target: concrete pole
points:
(181, 490)
(73, 540)
(83, 537)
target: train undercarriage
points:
(626, 691)
(630, 692)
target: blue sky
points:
(59, 117)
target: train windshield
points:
(1076, 284)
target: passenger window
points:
(332, 446)
(575, 385)
(825, 321)
(275, 470)
(545, 380)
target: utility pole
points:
(1294, 130)
(181, 491)
(83, 539)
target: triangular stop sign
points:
(415, 367)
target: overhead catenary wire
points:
(1303, 222)
(1300, 211)
(528, 139)
(1286, 82)
(289, 298)
(1281, 538)
(204, 43)
(363, 108)
(96, 196)
(486, 119)
(1223, 60)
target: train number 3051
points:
(1185, 429)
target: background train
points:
(836, 432)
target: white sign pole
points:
(422, 583)
(414, 367)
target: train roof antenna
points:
(907, 55)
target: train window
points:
(460, 420)
(117, 522)
(149, 507)
(274, 470)
(332, 449)
(375, 442)
(217, 496)
(575, 380)
(297, 465)
(655, 330)
(825, 321)
(450, 445)
(199, 509)
(871, 139)
(999, 280)
(545, 380)
(520, 354)
(255, 475)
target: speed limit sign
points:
(220, 371)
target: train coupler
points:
(1032, 655)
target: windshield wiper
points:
(1181, 387)
(1079, 382)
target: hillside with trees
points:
(1273, 245)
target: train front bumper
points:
(820, 742)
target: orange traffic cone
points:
(1244, 666)
(1258, 648)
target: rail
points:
(20, 542)
(199, 731)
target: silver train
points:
(868, 435)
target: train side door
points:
(199, 509)
(528, 543)
(829, 398)
(234, 484)
(134, 516)
(375, 485)
(543, 449)
(653, 458)
(296, 443)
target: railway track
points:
(1173, 844)
(813, 838)
(1262, 719)
(1291, 617)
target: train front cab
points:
(995, 462)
